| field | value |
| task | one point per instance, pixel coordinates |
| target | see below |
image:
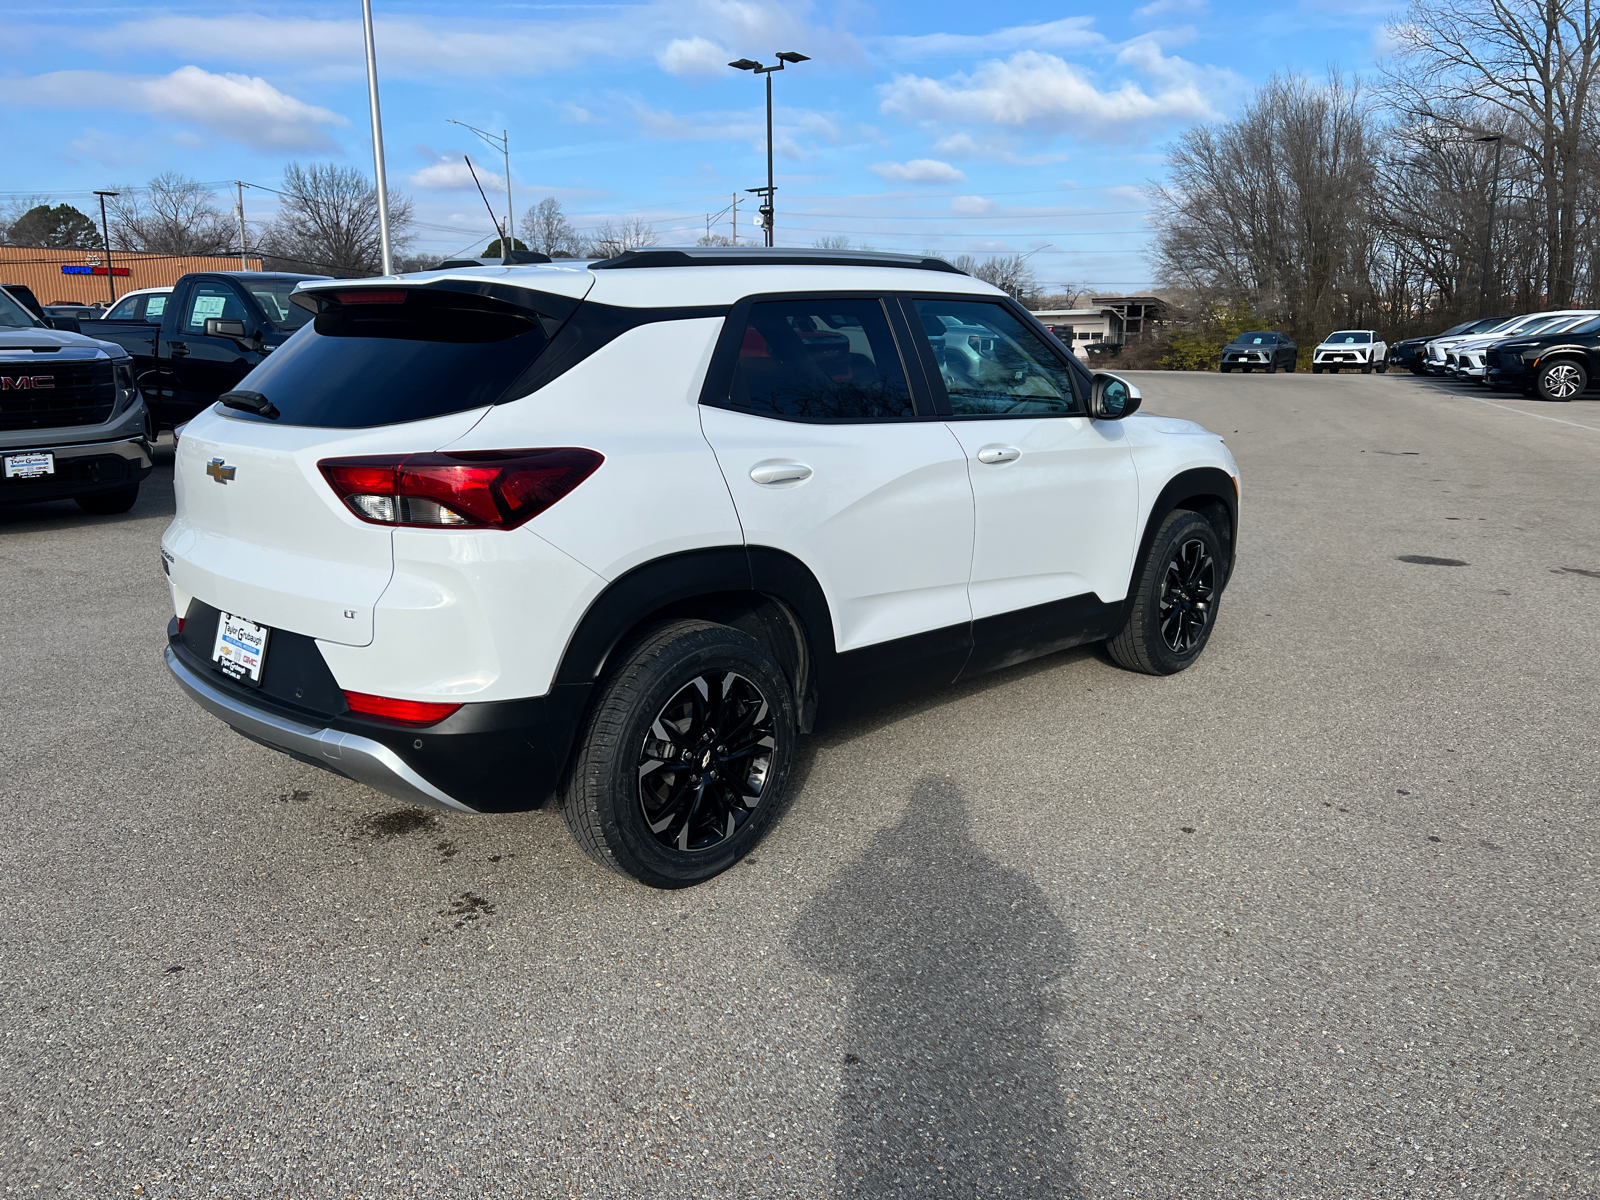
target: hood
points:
(28, 339)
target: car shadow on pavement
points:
(949, 1082)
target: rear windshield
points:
(13, 315)
(1348, 337)
(375, 356)
(273, 296)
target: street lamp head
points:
(790, 56)
(744, 64)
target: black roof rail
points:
(758, 256)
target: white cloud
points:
(1157, 9)
(1038, 91)
(964, 145)
(451, 172)
(575, 114)
(971, 205)
(918, 170)
(242, 108)
(693, 56)
(1069, 33)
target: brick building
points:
(81, 276)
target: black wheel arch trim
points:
(1208, 485)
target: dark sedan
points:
(1259, 352)
(1412, 354)
(1552, 366)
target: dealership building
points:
(94, 277)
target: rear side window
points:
(382, 356)
(992, 364)
(820, 360)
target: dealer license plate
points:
(30, 466)
(240, 649)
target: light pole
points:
(1488, 233)
(377, 141)
(105, 236)
(502, 144)
(748, 64)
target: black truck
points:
(215, 327)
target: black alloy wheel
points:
(1188, 591)
(685, 758)
(705, 761)
(1172, 607)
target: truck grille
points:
(41, 394)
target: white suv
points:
(619, 532)
(1359, 349)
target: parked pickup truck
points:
(212, 331)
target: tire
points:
(1146, 642)
(668, 683)
(106, 504)
(1366, 368)
(1272, 367)
(1419, 370)
(1381, 368)
(1561, 380)
(1226, 369)
(1316, 370)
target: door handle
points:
(791, 472)
(177, 350)
(999, 454)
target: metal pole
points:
(1488, 234)
(771, 206)
(736, 218)
(377, 141)
(244, 260)
(105, 237)
(511, 229)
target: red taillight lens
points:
(495, 489)
(370, 295)
(405, 712)
(182, 621)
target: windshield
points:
(1348, 337)
(1255, 339)
(13, 315)
(273, 296)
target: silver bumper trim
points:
(359, 758)
(135, 449)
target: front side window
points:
(13, 315)
(991, 363)
(820, 360)
(212, 300)
(127, 310)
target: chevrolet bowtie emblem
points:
(219, 471)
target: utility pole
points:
(105, 237)
(502, 144)
(377, 142)
(1488, 232)
(244, 260)
(745, 64)
(736, 218)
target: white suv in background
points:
(1358, 349)
(1464, 358)
(619, 532)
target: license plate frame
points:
(240, 649)
(32, 464)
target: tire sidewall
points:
(1189, 526)
(616, 795)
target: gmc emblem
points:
(25, 383)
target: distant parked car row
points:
(1347, 349)
(1551, 355)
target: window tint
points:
(991, 363)
(380, 361)
(211, 300)
(820, 360)
(273, 296)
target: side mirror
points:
(1111, 397)
(224, 327)
(65, 324)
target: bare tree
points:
(832, 242)
(1527, 70)
(1008, 272)
(633, 234)
(328, 221)
(173, 215)
(547, 230)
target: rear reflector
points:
(486, 489)
(405, 712)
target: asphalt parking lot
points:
(1315, 918)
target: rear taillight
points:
(494, 489)
(405, 712)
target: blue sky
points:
(952, 127)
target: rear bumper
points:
(81, 470)
(347, 754)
